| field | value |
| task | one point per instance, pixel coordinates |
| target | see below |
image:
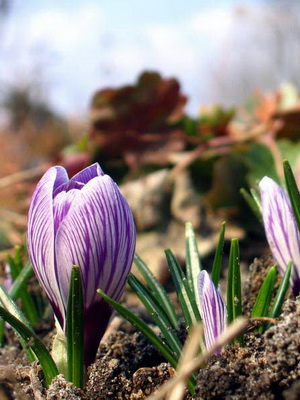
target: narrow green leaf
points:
(162, 347)
(33, 342)
(157, 313)
(2, 330)
(28, 305)
(263, 299)
(186, 299)
(157, 289)
(193, 262)
(253, 202)
(21, 281)
(281, 293)
(74, 329)
(216, 269)
(16, 287)
(234, 291)
(293, 190)
(7, 302)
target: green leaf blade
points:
(193, 262)
(157, 314)
(234, 288)
(7, 302)
(157, 290)
(144, 328)
(21, 281)
(185, 297)
(216, 269)
(292, 190)
(32, 341)
(281, 293)
(75, 329)
(253, 202)
(28, 305)
(263, 299)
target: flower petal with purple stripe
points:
(40, 236)
(212, 310)
(83, 221)
(281, 229)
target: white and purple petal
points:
(88, 174)
(83, 221)
(212, 310)
(281, 228)
(40, 236)
(98, 234)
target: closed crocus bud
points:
(212, 310)
(281, 229)
(82, 221)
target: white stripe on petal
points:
(281, 228)
(212, 309)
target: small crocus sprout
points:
(281, 229)
(82, 221)
(212, 310)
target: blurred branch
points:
(22, 176)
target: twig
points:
(237, 327)
(189, 351)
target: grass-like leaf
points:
(28, 305)
(293, 190)
(15, 290)
(253, 202)
(263, 299)
(7, 302)
(21, 281)
(185, 296)
(33, 342)
(193, 262)
(162, 347)
(281, 293)
(157, 290)
(234, 292)
(2, 330)
(216, 269)
(157, 313)
(75, 332)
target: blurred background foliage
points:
(146, 137)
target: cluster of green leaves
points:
(159, 306)
(23, 326)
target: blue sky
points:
(73, 48)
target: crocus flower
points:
(81, 221)
(212, 310)
(281, 228)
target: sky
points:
(70, 49)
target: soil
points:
(128, 367)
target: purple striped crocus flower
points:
(281, 229)
(81, 221)
(212, 310)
